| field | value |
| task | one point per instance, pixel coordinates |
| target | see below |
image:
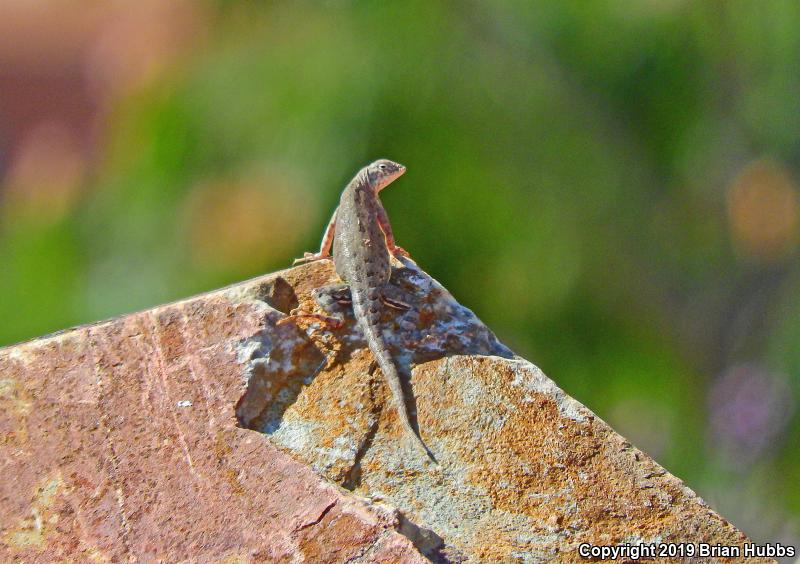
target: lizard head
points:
(383, 172)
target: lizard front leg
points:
(386, 227)
(325, 246)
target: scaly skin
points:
(362, 242)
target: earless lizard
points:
(362, 242)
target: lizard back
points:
(361, 258)
(360, 253)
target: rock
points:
(205, 430)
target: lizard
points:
(362, 240)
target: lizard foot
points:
(333, 322)
(334, 300)
(400, 252)
(310, 257)
(395, 304)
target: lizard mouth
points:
(388, 179)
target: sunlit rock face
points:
(219, 429)
(522, 471)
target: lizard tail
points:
(370, 314)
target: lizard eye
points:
(382, 167)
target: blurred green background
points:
(611, 186)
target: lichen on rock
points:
(524, 472)
(214, 429)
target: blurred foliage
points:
(611, 186)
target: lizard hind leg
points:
(333, 322)
(334, 299)
(395, 304)
(393, 297)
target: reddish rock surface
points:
(203, 431)
(120, 441)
